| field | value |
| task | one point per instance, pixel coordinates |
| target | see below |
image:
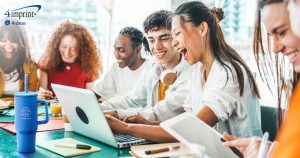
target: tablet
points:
(189, 129)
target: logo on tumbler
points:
(25, 112)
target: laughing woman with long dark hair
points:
(223, 92)
(15, 61)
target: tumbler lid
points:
(25, 94)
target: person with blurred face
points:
(153, 100)
(15, 62)
(130, 66)
(71, 59)
(279, 27)
(294, 12)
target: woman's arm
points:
(43, 84)
(207, 115)
(43, 77)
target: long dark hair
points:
(16, 33)
(196, 13)
(136, 37)
(270, 63)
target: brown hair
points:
(271, 64)
(16, 33)
(157, 20)
(89, 58)
(196, 13)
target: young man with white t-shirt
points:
(122, 76)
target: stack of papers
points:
(53, 124)
(4, 104)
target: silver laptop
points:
(86, 117)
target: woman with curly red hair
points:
(71, 59)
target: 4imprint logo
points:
(28, 11)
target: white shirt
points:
(11, 84)
(118, 81)
(143, 99)
(237, 115)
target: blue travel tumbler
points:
(26, 122)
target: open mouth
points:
(119, 61)
(9, 50)
(183, 52)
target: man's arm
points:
(153, 132)
(150, 132)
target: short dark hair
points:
(157, 20)
(136, 37)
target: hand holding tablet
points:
(189, 129)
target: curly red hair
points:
(89, 57)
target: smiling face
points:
(160, 43)
(8, 48)
(278, 27)
(68, 49)
(124, 52)
(187, 40)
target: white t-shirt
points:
(11, 84)
(118, 81)
(237, 115)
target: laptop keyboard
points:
(126, 138)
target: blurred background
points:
(105, 18)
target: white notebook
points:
(65, 151)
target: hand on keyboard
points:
(139, 120)
(113, 113)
